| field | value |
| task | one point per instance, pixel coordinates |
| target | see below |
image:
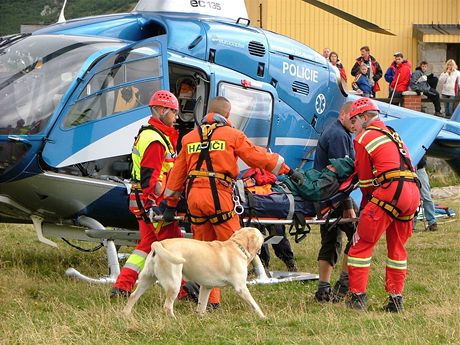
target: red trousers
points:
(201, 204)
(373, 222)
(130, 271)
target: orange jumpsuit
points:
(376, 154)
(226, 145)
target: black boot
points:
(193, 291)
(323, 295)
(291, 265)
(357, 301)
(119, 293)
(339, 291)
(212, 306)
(394, 305)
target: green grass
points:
(40, 306)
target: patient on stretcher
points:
(284, 198)
(320, 185)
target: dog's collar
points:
(245, 252)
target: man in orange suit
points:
(208, 165)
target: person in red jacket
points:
(401, 79)
(390, 200)
(208, 165)
(153, 156)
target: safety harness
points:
(404, 173)
(205, 131)
(136, 184)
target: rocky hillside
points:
(13, 13)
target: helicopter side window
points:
(252, 110)
(110, 102)
(122, 87)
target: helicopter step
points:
(277, 277)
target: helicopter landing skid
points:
(112, 257)
(113, 264)
(277, 277)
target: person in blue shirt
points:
(335, 142)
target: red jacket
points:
(372, 158)
(403, 70)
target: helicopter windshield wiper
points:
(11, 38)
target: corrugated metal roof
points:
(437, 29)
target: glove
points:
(153, 211)
(296, 177)
(169, 213)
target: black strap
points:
(140, 205)
(404, 161)
(215, 219)
(206, 132)
(250, 209)
(299, 227)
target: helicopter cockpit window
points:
(123, 73)
(126, 85)
(35, 73)
(251, 109)
(101, 105)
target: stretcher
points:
(262, 211)
(288, 209)
(258, 211)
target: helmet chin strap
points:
(363, 123)
(158, 115)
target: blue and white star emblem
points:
(320, 103)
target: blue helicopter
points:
(73, 96)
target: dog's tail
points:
(166, 254)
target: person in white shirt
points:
(449, 82)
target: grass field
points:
(38, 305)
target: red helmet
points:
(165, 99)
(361, 105)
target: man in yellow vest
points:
(153, 156)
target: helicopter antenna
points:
(61, 15)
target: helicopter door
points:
(109, 105)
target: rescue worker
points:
(207, 167)
(153, 156)
(390, 200)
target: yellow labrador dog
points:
(210, 264)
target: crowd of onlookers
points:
(400, 78)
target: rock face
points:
(48, 10)
(446, 192)
(440, 173)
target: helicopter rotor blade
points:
(349, 17)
